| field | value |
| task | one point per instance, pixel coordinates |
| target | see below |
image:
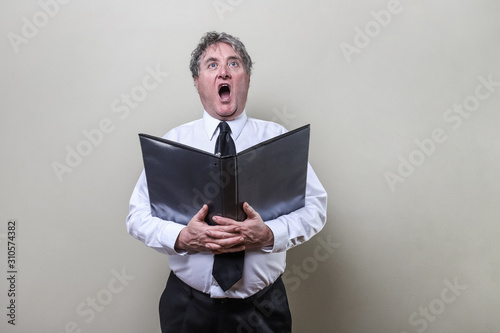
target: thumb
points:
(251, 213)
(202, 213)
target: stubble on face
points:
(222, 82)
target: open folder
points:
(271, 176)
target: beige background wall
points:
(403, 98)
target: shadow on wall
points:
(310, 281)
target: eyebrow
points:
(210, 60)
(216, 59)
(234, 58)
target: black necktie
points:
(225, 144)
(228, 267)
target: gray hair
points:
(212, 38)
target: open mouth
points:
(224, 92)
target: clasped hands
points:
(228, 236)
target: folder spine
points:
(229, 187)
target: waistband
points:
(206, 297)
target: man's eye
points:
(233, 63)
(212, 65)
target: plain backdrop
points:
(403, 100)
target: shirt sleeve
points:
(156, 233)
(299, 226)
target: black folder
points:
(271, 176)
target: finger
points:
(226, 243)
(227, 233)
(224, 220)
(230, 250)
(215, 249)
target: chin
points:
(227, 115)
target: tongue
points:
(224, 95)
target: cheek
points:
(202, 82)
(203, 89)
(243, 88)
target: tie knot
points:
(224, 127)
(224, 146)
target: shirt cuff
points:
(168, 236)
(280, 233)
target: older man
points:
(196, 299)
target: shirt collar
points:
(211, 125)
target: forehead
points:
(220, 50)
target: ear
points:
(196, 83)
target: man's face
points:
(223, 82)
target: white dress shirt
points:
(262, 266)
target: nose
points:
(224, 72)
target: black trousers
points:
(186, 310)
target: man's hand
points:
(197, 236)
(255, 233)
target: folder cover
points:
(271, 176)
